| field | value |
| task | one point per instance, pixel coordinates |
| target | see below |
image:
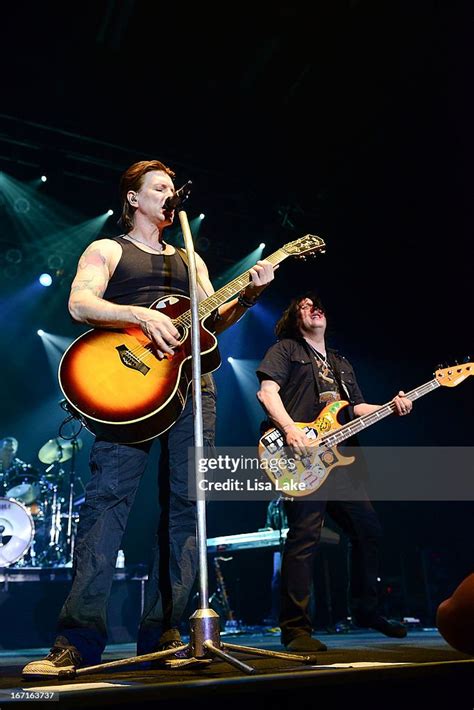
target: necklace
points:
(323, 364)
(138, 241)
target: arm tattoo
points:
(97, 287)
(95, 280)
(94, 257)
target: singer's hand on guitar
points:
(261, 275)
(159, 328)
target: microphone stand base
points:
(203, 647)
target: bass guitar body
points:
(118, 387)
(300, 475)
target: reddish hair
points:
(132, 179)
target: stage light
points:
(43, 178)
(202, 243)
(261, 245)
(230, 359)
(21, 205)
(110, 212)
(40, 332)
(201, 216)
(13, 256)
(55, 262)
(45, 280)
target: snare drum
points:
(17, 531)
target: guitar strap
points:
(184, 256)
(215, 314)
(353, 441)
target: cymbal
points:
(58, 450)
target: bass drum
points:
(17, 531)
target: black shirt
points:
(292, 365)
(140, 278)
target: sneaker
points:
(304, 643)
(58, 660)
(388, 627)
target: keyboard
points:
(261, 538)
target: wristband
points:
(245, 302)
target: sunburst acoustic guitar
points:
(116, 385)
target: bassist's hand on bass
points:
(297, 439)
(403, 405)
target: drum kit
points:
(37, 521)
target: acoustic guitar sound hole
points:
(183, 332)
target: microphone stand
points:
(204, 638)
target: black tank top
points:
(140, 278)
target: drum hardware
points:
(37, 522)
(76, 445)
(59, 515)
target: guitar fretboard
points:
(355, 426)
(212, 302)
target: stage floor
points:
(358, 667)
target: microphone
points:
(180, 196)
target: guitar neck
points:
(211, 303)
(357, 425)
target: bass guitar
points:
(116, 385)
(301, 476)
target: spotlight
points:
(230, 359)
(45, 280)
(40, 332)
(43, 178)
(201, 216)
(110, 212)
(261, 245)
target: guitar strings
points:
(213, 301)
(209, 304)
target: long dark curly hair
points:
(287, 326)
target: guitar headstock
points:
(309, 245)
(452, 376)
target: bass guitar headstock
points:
(454, 375)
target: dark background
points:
(350, 120)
